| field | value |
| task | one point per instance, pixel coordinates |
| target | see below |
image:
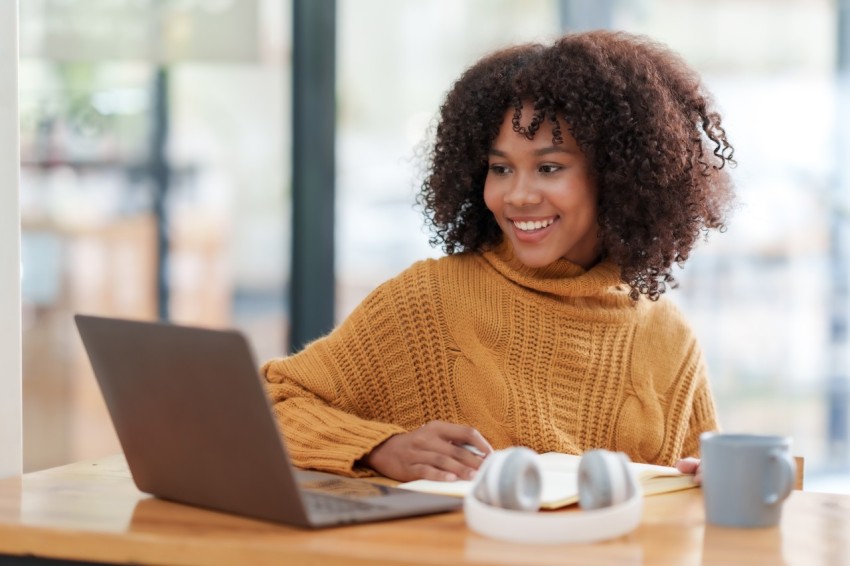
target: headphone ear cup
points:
(604, 479)
(628, 475)
(511, 479)
(486, 485)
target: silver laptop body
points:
(196, 426)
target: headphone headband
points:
(553, 528)
(604, 472)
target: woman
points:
(564, 182)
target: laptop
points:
(195, 424)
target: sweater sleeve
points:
(330, 399)
(703, 413)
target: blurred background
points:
(157, 166)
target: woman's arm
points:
(366, 397)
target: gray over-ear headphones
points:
(507, 492)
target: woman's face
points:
(542, 196)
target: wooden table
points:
(91, 511)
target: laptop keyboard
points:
(320, 503)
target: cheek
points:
(491, 198)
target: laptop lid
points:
(195, 424)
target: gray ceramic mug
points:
(745, 478)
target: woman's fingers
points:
(475, 443)
(441, 447)
(460, 435)
(690, 466)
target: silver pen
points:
(473, 449)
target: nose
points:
(522, 192)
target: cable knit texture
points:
(556, 359)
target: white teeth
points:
(535, 225)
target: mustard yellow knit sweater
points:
(556, 359)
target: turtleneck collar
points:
(561, 278)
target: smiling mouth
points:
(533, 225)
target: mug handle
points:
(787, 471)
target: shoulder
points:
(663, 312)
(662, 324)
(428, 271)
(426, 276)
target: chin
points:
(536, 262)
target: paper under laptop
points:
(196, 427)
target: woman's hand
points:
(690, 466)
(434, 451)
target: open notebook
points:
(560, 480)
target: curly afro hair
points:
(653, 141)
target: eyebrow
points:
(538, 152)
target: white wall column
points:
(11, 443)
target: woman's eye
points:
(498, 169)
(549, 168)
